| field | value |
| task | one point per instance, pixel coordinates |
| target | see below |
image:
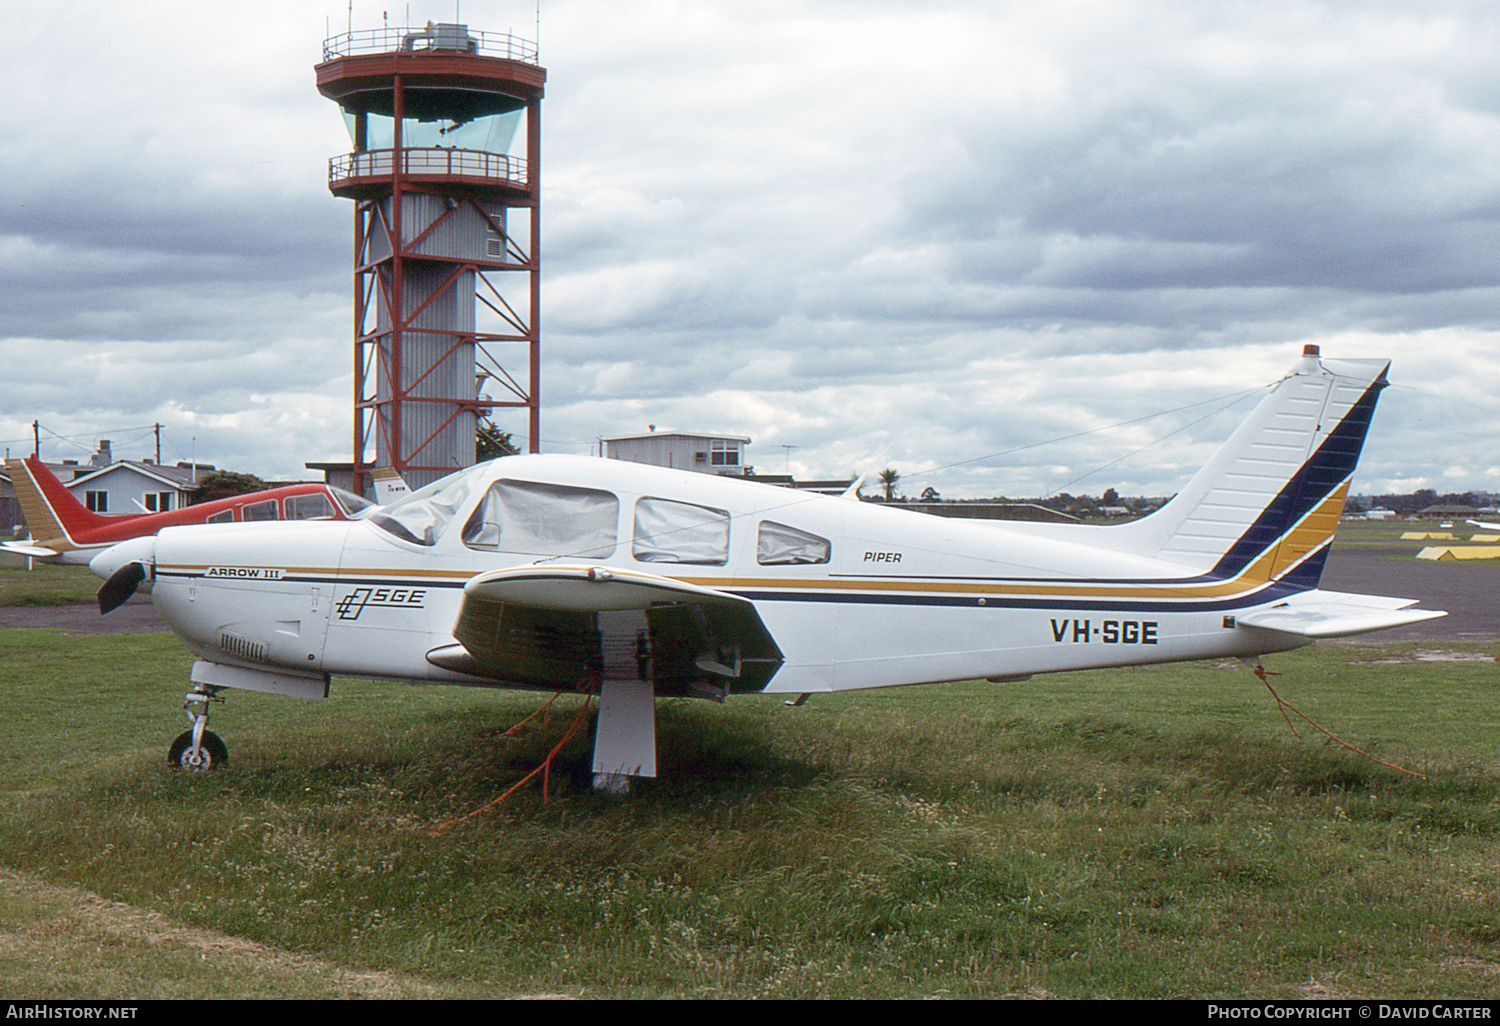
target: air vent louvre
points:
(249, 650)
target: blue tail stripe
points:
(1314, 481)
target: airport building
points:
(703, 453)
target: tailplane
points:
(1266, 506)
(53, 516)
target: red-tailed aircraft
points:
(63, 531)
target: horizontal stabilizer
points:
(23, 549)
(1332, 614)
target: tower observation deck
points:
(446, 130)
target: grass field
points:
(1386, 535)
(43, 585)
(1152, 832)
(1145, 833)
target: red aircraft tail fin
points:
(53, 516)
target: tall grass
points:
(1140, 833)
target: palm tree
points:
(888, 477)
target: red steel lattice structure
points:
(446, 221)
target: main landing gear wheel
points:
(210, 753)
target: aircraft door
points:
(790, 558)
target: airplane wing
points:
(1333, 614)
(562, 626)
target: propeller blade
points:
(120, 586)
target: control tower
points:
(446, 127)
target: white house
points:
(129, 486)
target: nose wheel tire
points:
(210, 753)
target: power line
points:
(1227, 401)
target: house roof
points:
(180, 478)
(681, 434)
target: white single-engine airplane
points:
(634, 582)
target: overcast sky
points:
(880, 233)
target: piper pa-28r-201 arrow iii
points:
(636, 582)
(64, 531)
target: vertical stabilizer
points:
(1266, 506)
(53, 515)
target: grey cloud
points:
(851, 227)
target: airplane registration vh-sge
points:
(635, 582)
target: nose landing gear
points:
(198, 749)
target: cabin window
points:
(679, 532)
(97, 501)
(263, 510)
(312, 506)
(224, 516)
(780, 545)
(545, 519)
(422, 516)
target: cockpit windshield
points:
(422, 516)
(352, 505)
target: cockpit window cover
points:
(545, 519)
(421, 516)
(679, 532)
(780, 545)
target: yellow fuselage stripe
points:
(1312, 531)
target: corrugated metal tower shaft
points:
(446, 238)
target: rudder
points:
(1266, 506)
(52, 514)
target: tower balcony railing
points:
(351, 169)
(430, 38)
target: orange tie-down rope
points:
(1284, 705)
(589, 687)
